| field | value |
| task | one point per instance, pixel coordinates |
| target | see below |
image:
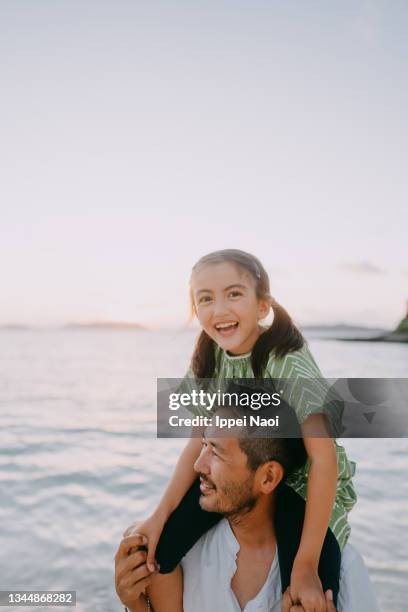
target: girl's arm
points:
(321, 492)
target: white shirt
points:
(210, 565)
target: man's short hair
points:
(289, 452)
(258, 445)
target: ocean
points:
(79, 460)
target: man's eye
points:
(205, 444)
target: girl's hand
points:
(306, 588)
(151, 528)
(289, 606)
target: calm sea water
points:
(79, 462)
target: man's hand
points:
(288, 604)
(131, 573)
(306, 588)
(152, 529)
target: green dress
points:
(307, 394)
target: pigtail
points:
(203, 360)
(281, 337)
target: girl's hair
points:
(281, 337)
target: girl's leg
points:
(184, 527)
(289, 517)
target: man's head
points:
(236, 471)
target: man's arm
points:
(166, 591)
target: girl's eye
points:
(234, 294)
(204, 299)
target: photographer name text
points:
(223, 422)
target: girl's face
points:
(227, 306)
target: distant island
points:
(110, 325)
(399, 334)
(403, 326)
(15, 327)
(342, 328)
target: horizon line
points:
(120, 325)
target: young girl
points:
(230, 295)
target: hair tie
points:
(257, 271)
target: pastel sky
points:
(137, 136)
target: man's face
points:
(227, 484)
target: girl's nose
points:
(219, 308)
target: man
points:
(234, 566)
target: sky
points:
(138, 136)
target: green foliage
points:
(403, 326)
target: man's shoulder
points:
(352, 564)
(350, 557)
(356, 591)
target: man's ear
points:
(271, 474)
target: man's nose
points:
(201, 464)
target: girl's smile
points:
(227, 306)
(226, 329)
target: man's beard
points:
(236, 500)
